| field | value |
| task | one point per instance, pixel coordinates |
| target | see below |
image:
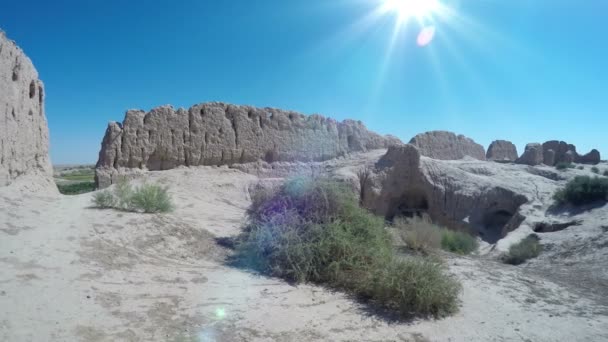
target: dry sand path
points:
(71, 273)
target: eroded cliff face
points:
(223, 134)
(460, 194)
(24, 136)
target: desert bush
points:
(423, 236)
(419, 234)
(583, 190)
(123, 192)
(104, 200)
(595, 170)
(526, 249)
(313, 230)
(458, 242)
(581, 167)
(606, 173)
(414, 285)
(147, 198)
(564, 166)
(151, 198)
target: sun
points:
(412, 9)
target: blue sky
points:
(525, 71)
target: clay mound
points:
(533, 155)
(502, 150)
(24, 136)
(447, 146)
(223, 134)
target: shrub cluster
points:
(564, 166)
(526, 249)
(583, 190)
(313, 230)
(605, 173)
(147, 198)
(424, 236)
(595, 170)
(458, 242)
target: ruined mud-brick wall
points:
(224, 134)
(24, 136)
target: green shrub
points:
(104, 200)
(564, 166)
(151, 198)
(606, 173)
(123, 193)
(76, 188)
(313, 230)
(583, 190)
(458, 242)
(595, 170)
(147, 198)
(526, 249)
(419, 234)
(581, 167)
(414, 285)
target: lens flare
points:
(426, 35)
(220, 313)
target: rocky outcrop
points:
(533, 155)
(592, 158)
(502, 150)
(467, 195)
(24, 137)
(563, 152)
(224, 134)
(447, 146)
(549, 157)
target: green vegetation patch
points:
(424, 236)
(564, 166)
(146, 198)
(527, 249)
(76, 188)
(313, 230)
(458, 242)
(583, 190)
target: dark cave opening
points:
(410, 205)
(493, 223)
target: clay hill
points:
(71, 272)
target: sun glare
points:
(408, 9)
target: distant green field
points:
(76, 188)
(79, 175)
(79, 178)
(76, 182)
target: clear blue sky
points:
(526, 71)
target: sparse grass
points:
(583, 190)
(76, 188)
(104, 200)
(147, 198)
(419, 234)
(458, 242)
(424, 236)
(313, 230)
(527, 249)
(151, 198)
(564, 166)
(595, 170)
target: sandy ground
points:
(72, 273)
